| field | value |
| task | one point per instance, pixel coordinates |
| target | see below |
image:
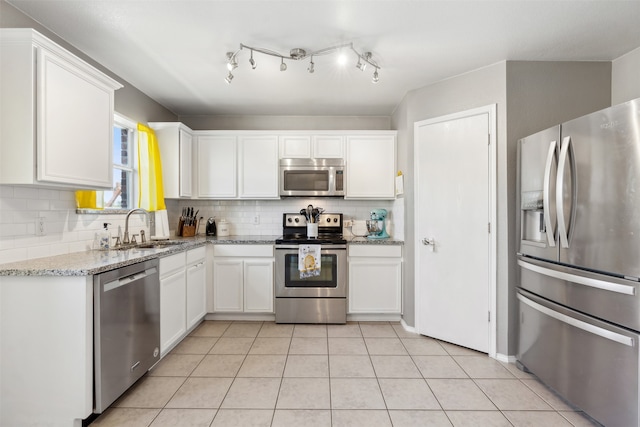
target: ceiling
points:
(174, 50)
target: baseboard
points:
(249, 317)
(505, 358)
(364, 317)
(407, 327)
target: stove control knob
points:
(297, 219)
(335, 219)
(289, 220)
(328, 219)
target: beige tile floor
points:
(360, 374)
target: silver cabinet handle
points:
(586, 281)
(546, 203)
(428, 242)
(612, 336)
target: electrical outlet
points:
(256, 219)
(40, 231)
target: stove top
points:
(294, 230)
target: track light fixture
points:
(298, 54)
(252, 62)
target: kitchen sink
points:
(150, 245)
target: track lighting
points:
(298, 54)
(231, 61)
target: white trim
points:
(407, 327)
(505, 358)
(490, 110)
(373, 317)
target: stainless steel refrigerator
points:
(579, 261)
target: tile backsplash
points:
(65, 231)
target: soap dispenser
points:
(104, 237)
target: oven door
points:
(331, 283)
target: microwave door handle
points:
(332, 181)
(546, 201)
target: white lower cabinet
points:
(375, 279)
(196, 286)
(243, 278)
(182, 295)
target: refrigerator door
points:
(591, 363)
(610, 298)
(600, 213)
(536, 197)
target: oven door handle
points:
(322, 247)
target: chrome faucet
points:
(125, 239)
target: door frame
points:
(492, 146)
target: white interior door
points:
(453, 215)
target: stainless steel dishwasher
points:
(126, 328)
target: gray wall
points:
(625, 79)
(530, 96)
(129, 101)
(541, 95)
(287, 122)
(471, 90)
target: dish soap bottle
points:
(104, 237)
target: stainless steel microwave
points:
(312, 177)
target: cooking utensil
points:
(309, 213)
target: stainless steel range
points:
(316, 298)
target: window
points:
(122, 196)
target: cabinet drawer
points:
(172, 263)
(196, 255)
(384, 251)
(243, 250)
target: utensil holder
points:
(312, 230)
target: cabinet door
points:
(172, 309)
(186, 170)
(74, 125)
(227, 284)
(371, 167)
(328, 146)
(295, 146)
(196, 293)
(375, 286)
(258, 285)
(217, 159)
(259, 167)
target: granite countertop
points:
(93, 262)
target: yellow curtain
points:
(89, 199)
(151, 194)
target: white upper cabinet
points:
(216, 166)
(237, 165)
(328, 146)
(56, 117)
(176, 142)
(311, 145)
(258, 166)
(371, 166)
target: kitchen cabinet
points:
(47, 350)
(173, 302)
(237, 165)
(56, 124)
(375, 279)
(182, 295)
(306, 146)
(175, 141)
(243, 278)
(196, 298)
(217, 166)
(371, 166)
